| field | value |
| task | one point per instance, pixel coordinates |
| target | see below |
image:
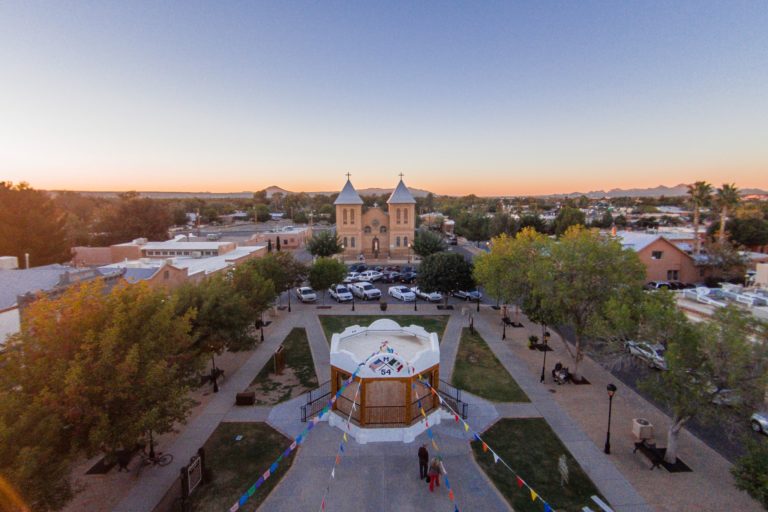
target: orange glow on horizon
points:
(453, 183)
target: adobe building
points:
(376, 233)
(663, 260)
(388, 399)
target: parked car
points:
(658, 285)
(408, 277)
(390, 276)
(392, 268)
(402, 293)
(428, 296)
(651, 354)
(340, 293)
(759, 422)
(364, 290)
(306, 294)
(370, 276)
(468, 295)
(358, 267)
(352, 277)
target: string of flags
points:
(299, 439)
(340, 451)
(486, 448)
(310, 425)
(431, 435)
(521, 483)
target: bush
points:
(751, 471)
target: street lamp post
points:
(214, 374)
(544, 364)
(611, 391)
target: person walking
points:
(423, 461)
(436, 469)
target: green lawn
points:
(298, 377)
(479, 372)
(533, 450)
(236, 465)
(337, 323)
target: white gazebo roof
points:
(405, 350)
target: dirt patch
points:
(278, 388)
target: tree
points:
(605, 222)
(505, 271)
(90, 372)
(751, 471)
(749, 232)
(222, 316)
(258, 291)
(473, 226)
(533, 220)
(324, 244)
(427, 242)
(568, 217)
(700, 195)
(445, 272)
(326, 272)
(502, 223)
(727, 198)
(134, 217)
(179, 216)
(299, 217)
(574, 281)
(261, 212)
(31, 224)
(282, 268)
(711, 363)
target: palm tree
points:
(727, 199)
(701, 195)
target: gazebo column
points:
(362, 403)
(408, 400)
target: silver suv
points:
(365, 290)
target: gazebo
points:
(387, 394)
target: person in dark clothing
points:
(423, 461)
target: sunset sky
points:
(491, 98)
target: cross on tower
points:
(348, 175)
(401, 176)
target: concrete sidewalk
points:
(579, 416)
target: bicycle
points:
(160, 459)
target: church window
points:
(397, 210)
(352, 216)
(405, 215)
(367, 230)
(383, 229)
(397, 242)
(353, 241)
(346, 242)
(405, 241)
(344, 214)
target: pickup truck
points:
(364, 290)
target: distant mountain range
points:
(661, 190)
(416, 192)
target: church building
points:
(375, 233)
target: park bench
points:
(651, 452)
